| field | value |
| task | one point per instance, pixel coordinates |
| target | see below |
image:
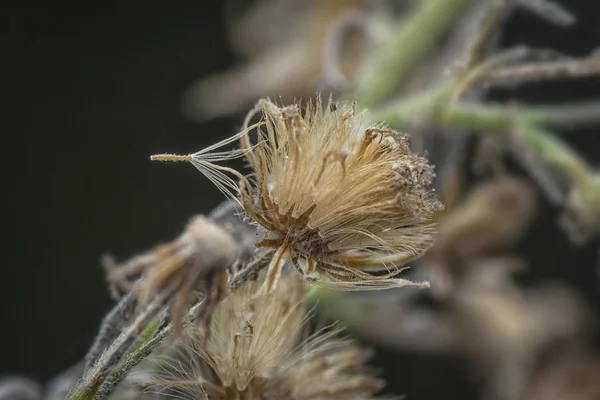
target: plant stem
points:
(250, 270)
(132, 359)
(386, 69)
(94, 377)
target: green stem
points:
(567, 116)
(386, 69)
(93, 378)
(494, 119)
(249, 272)
(490, 119)
(133, 358)
(337, 306)
(554, 151)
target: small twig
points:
(530, 161)
(250, 271)
(488, 28)
(554, 151)
(563, 115)
(534, 72)
(549, 10)
(478, 73)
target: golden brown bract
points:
(258, 349)
(337, 197)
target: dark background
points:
(89, 91)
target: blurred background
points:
(91, 90)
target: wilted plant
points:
(505, 330)
(344, 200)
(176, 272)
(258, 349)
(172, 278)
(336, 197)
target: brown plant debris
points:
(196, 262)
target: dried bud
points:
(257, 350)
(196, 262)
(492, 218)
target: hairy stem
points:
(250, 270)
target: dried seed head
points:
(308, 44)
(505, 325)
(491, 219)
(337, 198)
(196, 262)
(257, 350)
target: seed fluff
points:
(347, 204)
(259, 349)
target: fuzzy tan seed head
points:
(338, 198)
(258, 349)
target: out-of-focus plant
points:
(345, 202)
(424, 67)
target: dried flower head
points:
(257, 350)
(291, 48)
(509, 332)
(485, 225)
(336, 198)
(196, 262)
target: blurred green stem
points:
(143, 349)
(387, 68)
(435, 108)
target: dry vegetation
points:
(336, 198)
